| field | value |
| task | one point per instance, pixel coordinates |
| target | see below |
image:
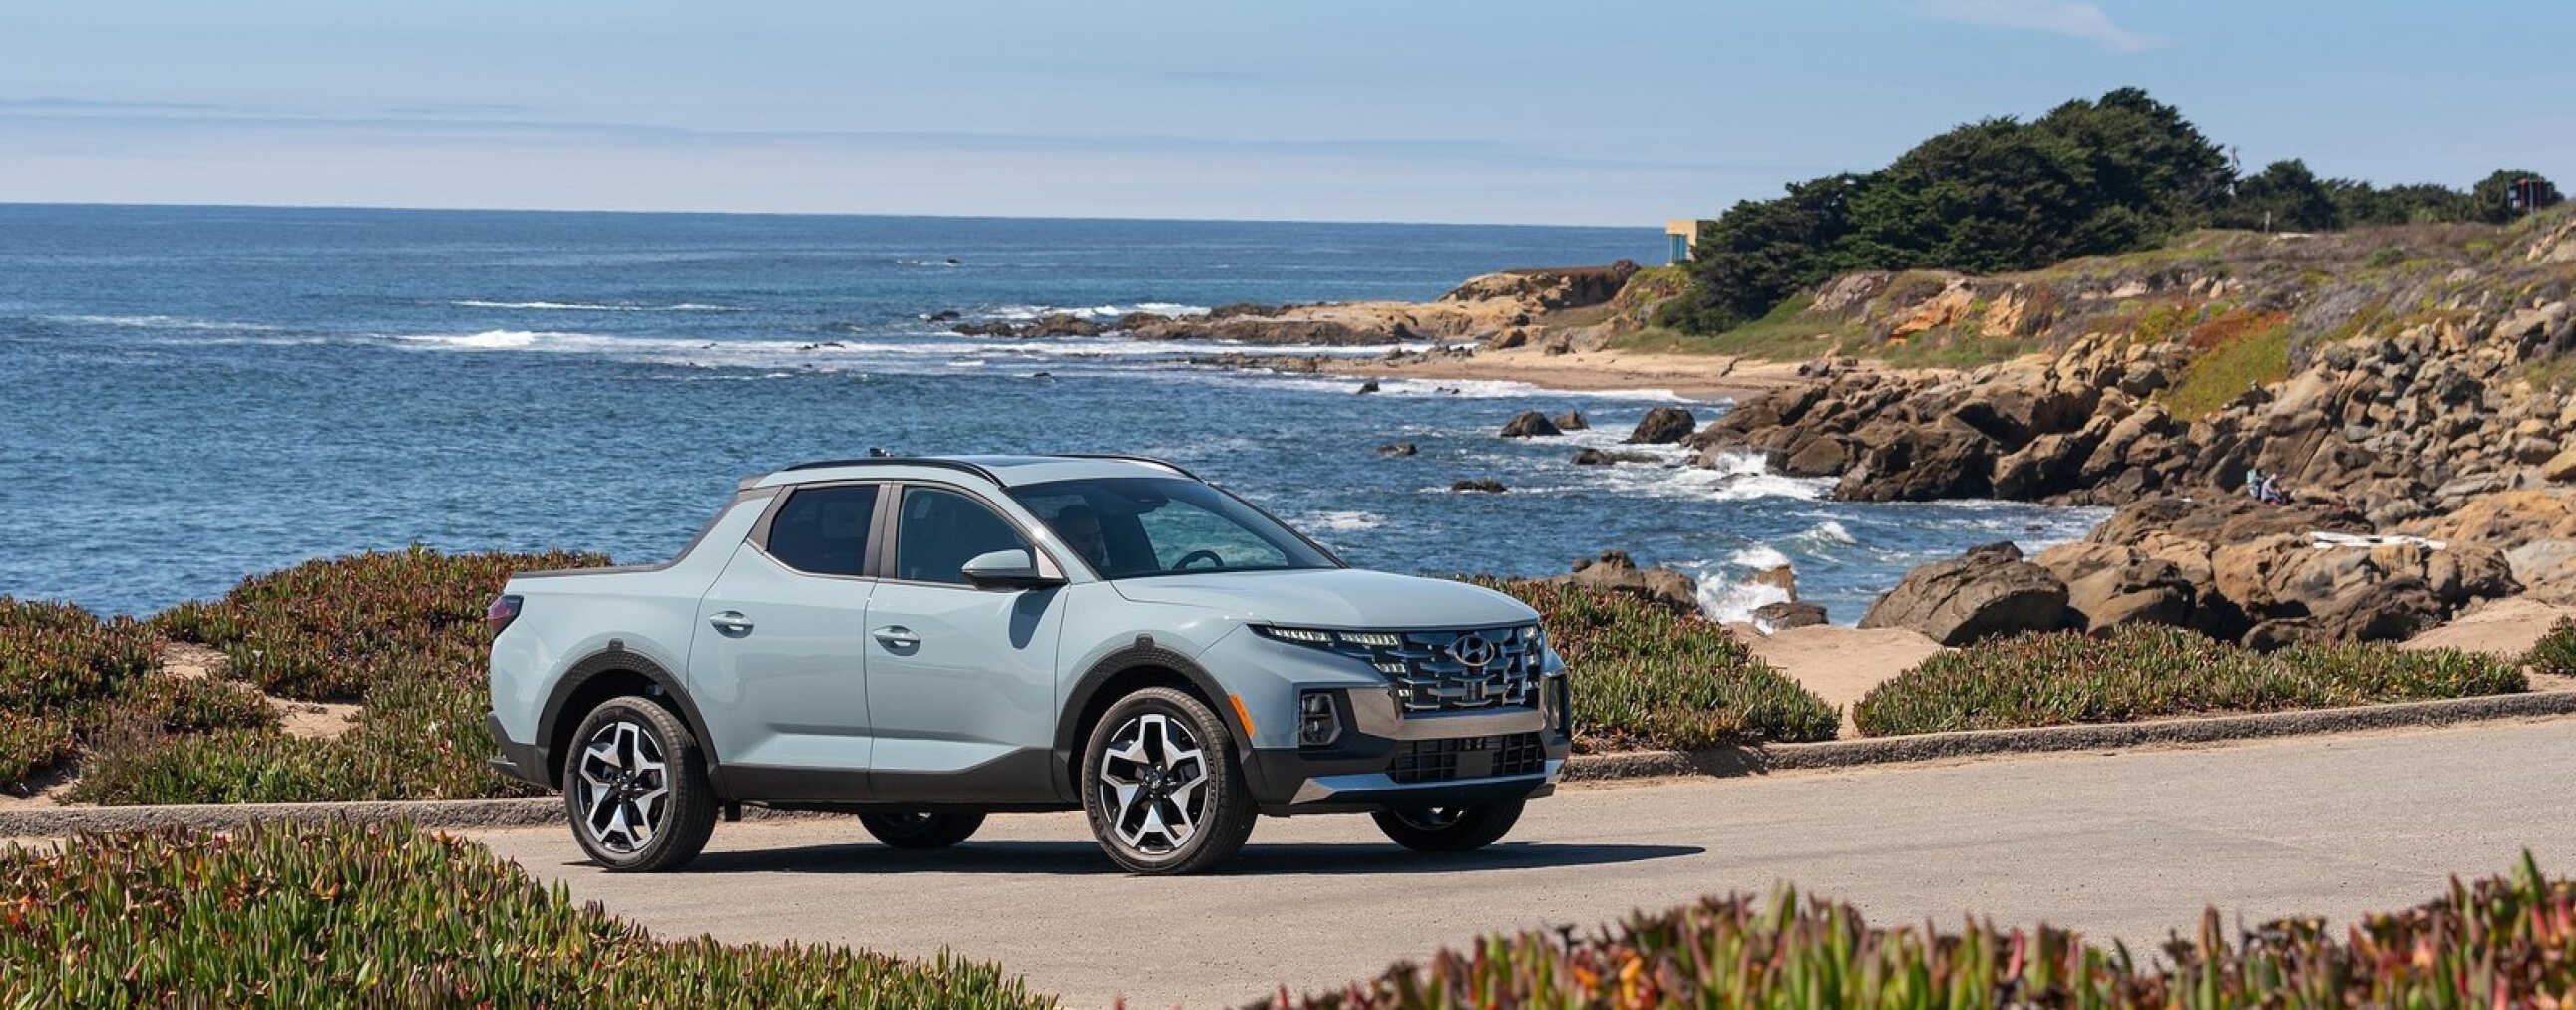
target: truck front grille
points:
(1468, 757)
(1442, 671)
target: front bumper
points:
(1386, 759)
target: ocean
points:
(192, 395)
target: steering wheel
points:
(1210, 556)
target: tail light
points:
(504, 609)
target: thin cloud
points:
(2056, 17)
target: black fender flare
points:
(619, 659)
(1143, 654)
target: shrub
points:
(402, 631)
(1649, 677)
(2502, 943)
(2150, 671)
(328, 630)
(344, 916)
(58, 666)
(2555, 652)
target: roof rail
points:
(950, 464)
(1132, 458)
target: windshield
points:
(1126, 527)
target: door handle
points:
(895, 636)
(731, 622)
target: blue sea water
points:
(192, 395)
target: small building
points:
(1684, 234)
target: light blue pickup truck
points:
(922, 641)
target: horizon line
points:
(1655, 227)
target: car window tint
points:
(824, 530)
(942, 530)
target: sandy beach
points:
(1692, 376)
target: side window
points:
(824, 530)
(942, 530)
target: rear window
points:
(824, 530)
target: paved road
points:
(2122, 845)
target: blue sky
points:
(1500, 111)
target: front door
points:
(961, 681)
(778, 660)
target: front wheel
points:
(636, 787)
(922, 829)
(1450, 828)
(1162, 786)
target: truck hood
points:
(1332, 598)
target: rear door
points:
(778, 663)
(962, 681)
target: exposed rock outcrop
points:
(1615, 571)
(1663, 425)
(1529, 424)
(1986, 592)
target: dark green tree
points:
(2284, 196)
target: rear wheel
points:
(1449, 828)
(1162, 786)
(636, 788)
(922, 829)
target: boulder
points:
(1367, 387)
(1614, 571)
(1986, 592)
(1772, 618)
(1664, 424)
(1571, 420)
(1606, 457)
(1482, 484)
(1398, 449)
(1529, 424)
(2108, 586)
(2545, 568)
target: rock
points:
(1986, 592)
(1781, 577)
(1486, 485)
(1546, 287)
(2108, 586)
(1367, 387)
(1508, 338)
(1606, 457)
(1529, 424)
(2560, 469)
(2295, 590)
(1572, 420)
(1663, 425)
(943, 315)
(1772, 618)
(2546, 568)
(1614, 571)
(1398, 449)
(1821, 456)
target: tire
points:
(635, 786)
(1450, 829)
(1158, 757)
(922, 829)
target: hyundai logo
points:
(1473, 651)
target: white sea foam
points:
(1759, 557)
(1345, 522)
(1829, 531)
(164, 323)
(1023, 313)
(472, 303)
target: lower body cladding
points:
(1382, 757)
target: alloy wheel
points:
(624, 787)
(1154, 778)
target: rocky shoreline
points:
(2404, 388)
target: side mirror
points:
(1012, 569)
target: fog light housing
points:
(1319, 721)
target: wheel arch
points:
(1124, 672)
(613, 673)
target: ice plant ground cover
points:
(2150, 671)
(2501, 943)
(345, 916)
